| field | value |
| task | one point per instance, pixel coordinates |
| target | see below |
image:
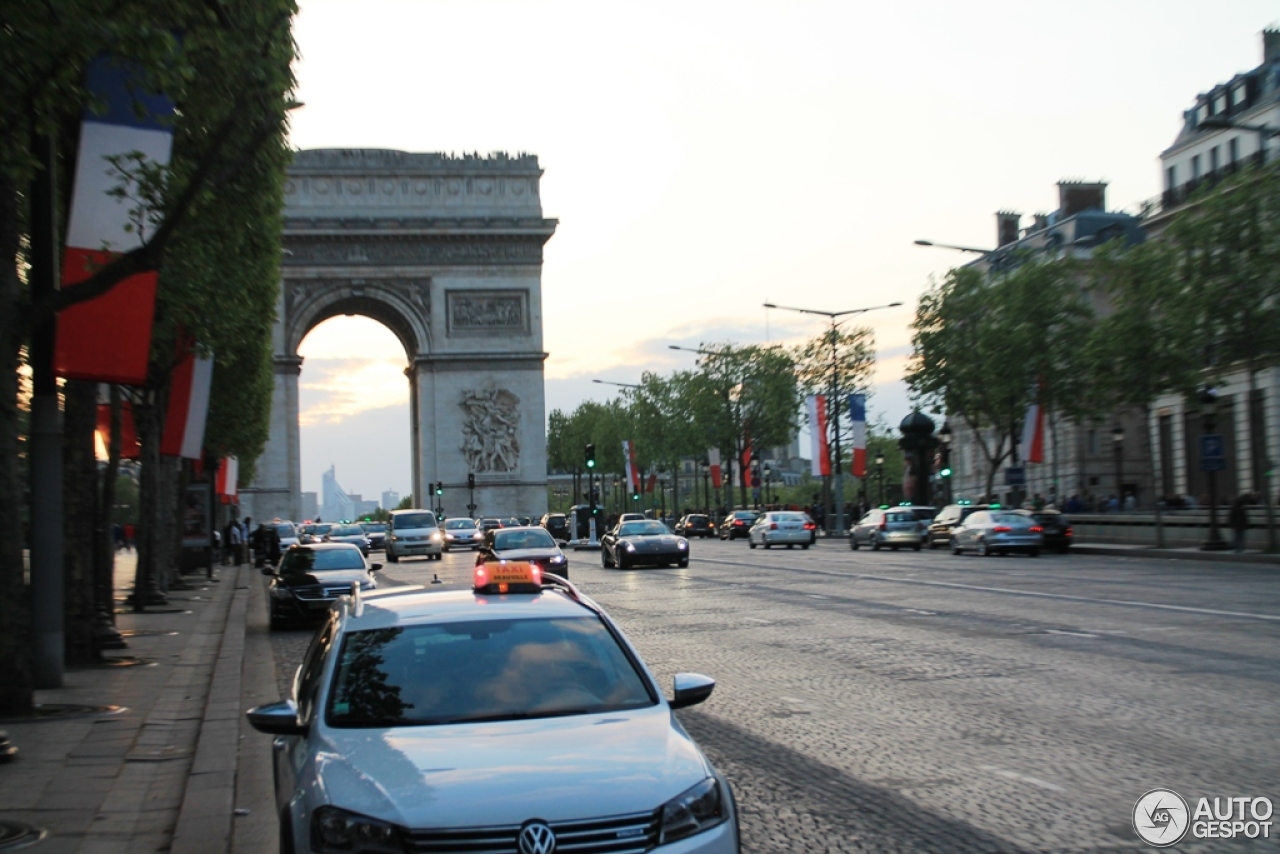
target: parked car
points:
(529, 544)
(414, 532)
(695, 525)
(643, 542)
(462, 533)
(441, 719)
(377, 534)
(998, 532)
(737, 524)
(1058, 534)
(557, 524)
(353, 534)
(780, 527)
(939, 533)
(490, 524)
(893, 527)
(310, 578)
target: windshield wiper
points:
(519, 716)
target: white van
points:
(413, 532)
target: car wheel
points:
(875, 544)
(286, 833)
(917, 546)
(955, 549)
(621, 561)
(853, 542)
(893, 548)
(767, 544)
(751, 543)
(804, 546)
(791, 545)
(982, 549)
(392, 557)
(276, 622)
(1034, 553)
(604, 559)
(684, 564)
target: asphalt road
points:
(902, 701)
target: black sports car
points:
(643, 543)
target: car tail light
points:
(773, 526)
(1036, 529)
(1069, 532)
(809, 526)
(884, 523)
(1001, 529)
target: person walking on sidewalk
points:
(1238, 521)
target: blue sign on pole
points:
(1213, 455)
(1015, 476)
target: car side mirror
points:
(268, 570)
(279, 718)
(374, 567)
(691, 689)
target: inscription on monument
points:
(482, 312)
(490, 430)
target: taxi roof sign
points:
(503, 576)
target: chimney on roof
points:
(1041, 222)
(1077, 196)
(1007, 223)
(1270, 45)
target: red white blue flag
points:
(108, 339)
(188, 408)
(713, 462)
(820, 456)
(629, 460)
(225, 485)
(1033, 432)
(858, 418)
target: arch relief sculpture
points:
(491, 430)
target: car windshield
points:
(286, 531)
(642, 529)
(535, 538)
(375, 528)
(788, 517)
(414, 520)
(900, 517)
(305, 561)
(347, 531)
(484, 670)
(1010, 519)
(321, 530)
(741, 514)
(459, 525)
(696, 520)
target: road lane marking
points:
(951, 585)
(1021, 778)
(1072, 634)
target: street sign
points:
(1015, 476)
(1213, 455)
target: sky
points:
(704, 157)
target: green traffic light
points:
(945, 472)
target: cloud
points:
(332, 390)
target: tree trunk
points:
(17, 686)
(104, 552)
(80, 515)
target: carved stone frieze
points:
(486, 312)
(339, 251)
(490, 430)
(299, 293)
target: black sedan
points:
(377, 534)
(530, 544)
(696, 525)
(1058, 534)
(644, 543)
(311, 577)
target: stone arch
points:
(402, 307)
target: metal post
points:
(1117, 436)
(1215, 542)
(837, 464)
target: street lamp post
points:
(838, 527)
(944, 436)
(706, 488)
(1117, 439)
(1209, 410)
(880, 474)
(952, 246)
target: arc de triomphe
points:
(446, 252)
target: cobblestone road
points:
(901, 701)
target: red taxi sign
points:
(507, 577)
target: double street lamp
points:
(1209, 412)
(880, 474)
(944, 436)
(835, 393)
(1117, 440)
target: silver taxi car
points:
(780, 528)
(511, 717)
(888, 527)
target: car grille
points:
(615, 835)
(316, 594)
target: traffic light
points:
(440, 488)
(635, 496)
(471, 481)
(946, 472)
(591, 456)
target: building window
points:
(1237, 96)
(1093, 443)
(1213, 159)
(1202, 113)
(1171, 178)
(1220, 104)
(1233, 149)
(1195, 167)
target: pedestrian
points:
(271, 542)
(130, 533)
(237, 542)
(117, 535)
(1238, 521)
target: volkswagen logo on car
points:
(537, 838)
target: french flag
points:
(713, 461)
(108, 339)
(629, 459)
(1033, 433)
(858, 418)
(225, 484)
(188, 408)
(820, 456)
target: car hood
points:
(468, 775)
(528, 554)
(324, 578)
(651, 542)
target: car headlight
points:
(334, 830)
(682, 544)
(435, 538)
(557, 559)
(393, 538)
(697, 809)
(629, 546)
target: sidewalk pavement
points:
(1135, 550)
(150, 751)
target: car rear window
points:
(347, 531)
(900, 517)
(483, 670)
(305, 560)
(789, 517)
(414, 520)
(535, 538)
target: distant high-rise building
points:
(336, 504)
(366, 508)
(390, 499)
(310, 505)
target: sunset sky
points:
(705, 157)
